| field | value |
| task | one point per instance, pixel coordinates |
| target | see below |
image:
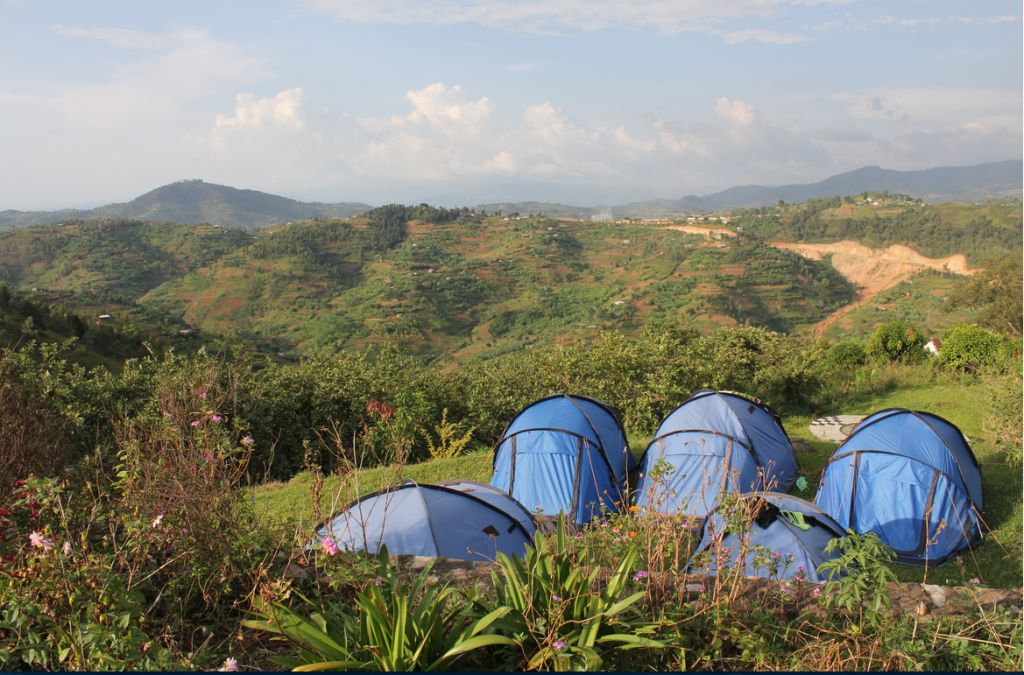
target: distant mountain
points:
(943, 184)
(194, 201)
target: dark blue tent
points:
(715, 442)
(565, 454)
(911, 478)
(462, 520)
(779, 530)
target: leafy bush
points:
(846, 355)
(968, 347)
(896, 341)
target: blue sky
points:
(578, 101)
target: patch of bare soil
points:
(706, 231)
(873, 270)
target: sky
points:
(462, 102)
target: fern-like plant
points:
(401, 627)
(557, 617)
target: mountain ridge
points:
(195, 201)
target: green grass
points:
(997, 563)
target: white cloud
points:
(450, 136)
(547, 16)
(119, 37)
(281, 110)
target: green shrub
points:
(846, 355)
(968, 347)
(896, 341)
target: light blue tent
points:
(714, 443)
(780, 531)
(462, 520)
(911, 478)
(565, 454)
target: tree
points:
(995, 293)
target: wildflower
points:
(604, 524)
(39, 541)
(615, 529)
(632, 534)
(634, 508)
(67, 548)
(556, 597)
(230, 665)
(145, 647)
(975, 580)
(208, 458)
(203, 395)
(378, 581)
(156, 521)
(642, 574)
(816, 592)
(218, 418)
(167, 414)
(195, 423)
(801, 569)
(247, 440)
(330, 546)
(558, 645)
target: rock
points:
(936, 593)
(420, 561)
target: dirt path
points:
(872, 270)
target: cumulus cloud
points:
(451, 136)
(547, 16)
(281, 110)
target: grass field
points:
(997, 563)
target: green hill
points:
(193, 201)
(478, 287)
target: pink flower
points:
(145, 647)
(330, 546)
(558, 645)
(556, 597)
(248, 440)
(156, 521)
(195, 423)
(642, 574)
(816, 592)
(67, 548)
(203, 395)
(218, 418)
(39, 541)
(230, 665)
(378, 581)
(208, 458)
(167, 414)
(975, 580)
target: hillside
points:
(116, 257)
(450, 284)
(485, 286)
(189, 202)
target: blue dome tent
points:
(911, 478)
(794, 529)
(462, 520)
(565, 454)
(715, 442)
